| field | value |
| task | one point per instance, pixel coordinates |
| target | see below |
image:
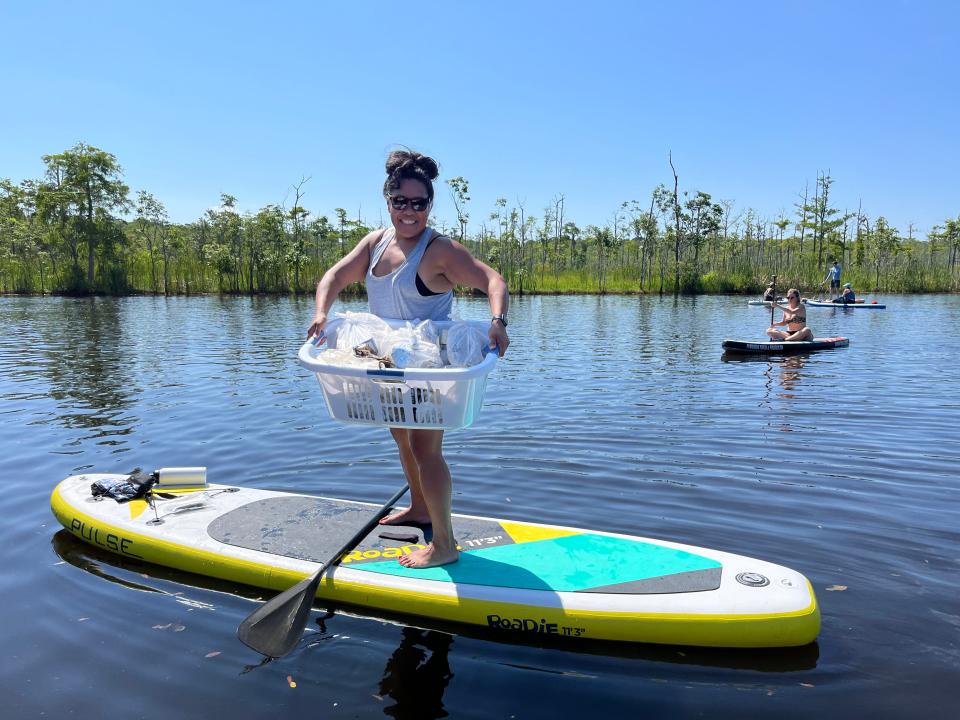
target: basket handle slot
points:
(386, 376)
(385, 373)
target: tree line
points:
(79, 230)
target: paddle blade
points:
(274, 628)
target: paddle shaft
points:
(773, 301)
(274, 628)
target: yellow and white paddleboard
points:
(513, 577)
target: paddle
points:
(274, 628)
(773, 303)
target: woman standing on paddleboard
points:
(410, 271)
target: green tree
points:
(298, 215)
(151, 220)
(459, 191)
(321, 231)
(703, 218)
(266, 249)
(89, 180)
(226, 250)
(884, 246)
(342, 222)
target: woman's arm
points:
(350, 269)
(459, 267)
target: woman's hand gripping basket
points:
(445, 398)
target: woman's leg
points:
(776, 334)
(437, 488)
(417, 512)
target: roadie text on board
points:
(530, 625)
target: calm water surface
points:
(612, 413)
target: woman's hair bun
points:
(408, 161)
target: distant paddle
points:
(773, 302)
(274, 628)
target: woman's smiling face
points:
(407, 222)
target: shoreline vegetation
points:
(78, 231)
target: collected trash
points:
(465, 344)
(365, 340)
(428, 374)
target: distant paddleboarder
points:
(847, 296)
(833, 275)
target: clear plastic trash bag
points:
(465, 344)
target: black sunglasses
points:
(792, 296)
(399, 202)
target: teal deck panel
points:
(567, 564)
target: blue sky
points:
(527, 100)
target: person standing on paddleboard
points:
(410, 271)
(833, 275)
(794, 320)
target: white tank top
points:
(395, 295)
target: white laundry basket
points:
(425, 398)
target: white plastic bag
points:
(427, 331)
(358, 328)
(415, 354)
(346, 358)
(408, 346)
(411, 346)
(465, 344)
(414, 346)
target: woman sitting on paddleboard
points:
(847, 296)
(794, 319)
(410, 271)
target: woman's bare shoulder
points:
(438, 246)
(370, 240)
(374, 235)
(445, 244)
(442, 253)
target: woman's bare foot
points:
(429, 556)
(406, 517)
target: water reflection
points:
(82, 356)
(135, 574)
(784, 372)
(790, 374)
(89, 367)
(417, 674)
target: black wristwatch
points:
(502, 318)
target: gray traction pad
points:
(315, 528)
